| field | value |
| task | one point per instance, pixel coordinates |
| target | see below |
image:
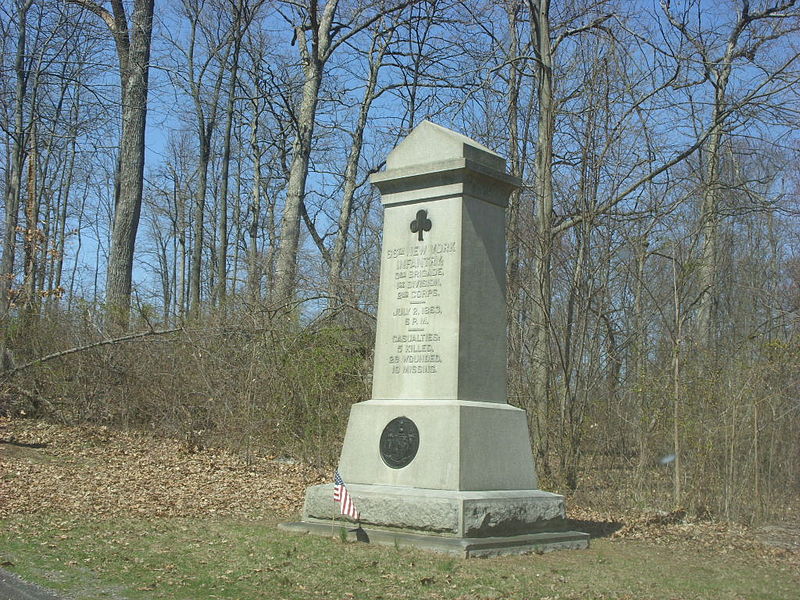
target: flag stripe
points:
(341, 496)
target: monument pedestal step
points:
(462, 445)
(476, 547)
(457, 522)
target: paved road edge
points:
(13, 587)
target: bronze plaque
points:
(399, 442)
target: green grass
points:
(218, 558)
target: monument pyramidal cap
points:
(437, 458)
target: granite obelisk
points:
(437, 458)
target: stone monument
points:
(437, 458)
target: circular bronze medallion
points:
(399, 442)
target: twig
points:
(105, 342)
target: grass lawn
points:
(96, 514)
(193, 558)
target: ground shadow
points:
(22, 444)
(596, 529)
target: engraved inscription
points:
(417, 274)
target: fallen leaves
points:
(675, 528)
(105, 473)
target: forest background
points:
(191, 246)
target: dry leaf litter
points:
(105, 473)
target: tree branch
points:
(570, 32)
(318, 240)
(106, 342)
(99, 11)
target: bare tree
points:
(717, 53)
(205, 54)
(18, 153)
(132, 41)
(268, 121)
(545, 46)
(242, 17)
(378, 48)
(318, 36)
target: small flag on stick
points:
(341, 496)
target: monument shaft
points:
(441, 308)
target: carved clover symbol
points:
(421, 223)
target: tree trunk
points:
(567, 449)
(182, 226)
(133, 52)
(206, 104)
(64, 194)
(638, 355)
(335, 289)
(14, 180)
(314, 63)
(49, 197)
(677, 479)
(237, 217)
(222, 247)
(513, 283)
(134, 71)
(543, 215)
(709, 222)
(198, 222)
(285, 283)
(31, 244)
(253, 263)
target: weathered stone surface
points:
(464, 514)
(497, 515)
(402, 508)
(429, 143)
(454, 546)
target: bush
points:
(248, 384)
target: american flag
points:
(341, 496)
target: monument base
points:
(463, 523)
(479, 547)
